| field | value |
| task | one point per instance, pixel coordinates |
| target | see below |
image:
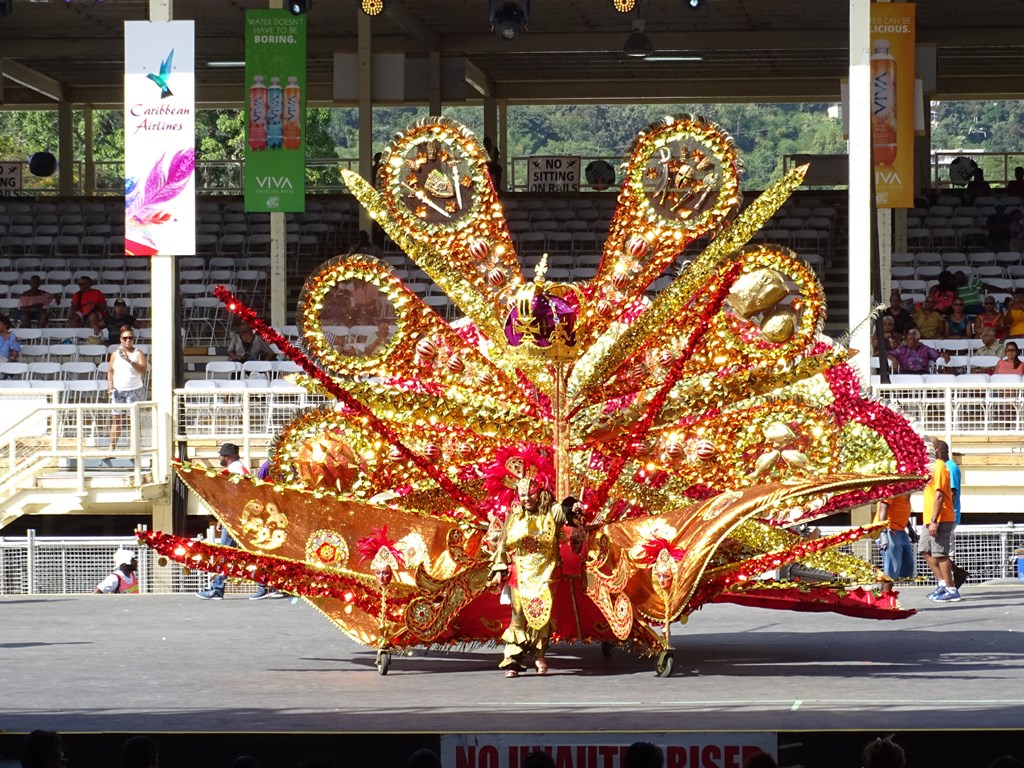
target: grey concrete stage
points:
(173, 663)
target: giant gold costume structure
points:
(700, 427)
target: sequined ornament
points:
(708, 420)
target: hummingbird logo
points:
(164, 76)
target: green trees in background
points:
(764, 133)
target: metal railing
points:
(991, 409)
(39, 565)
(51, 434)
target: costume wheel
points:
(666, 663)
(383, 661)
(607, 648)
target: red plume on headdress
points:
(369, 546)
(500, 481)
(653, 546)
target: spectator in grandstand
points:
(1016, 185)
(969, 289)
(883, 753)
(493, 163)
(1016, 230)
(43, 749)
(379, 339)
(929, 322)
(990, 317)
(124, 579)
(959, 325)
(1012, 362)
(140, 752)
(914, 357)
(124, 379)
(120, 317)
(990, 347)
(892, 339)
(88, 307)
(10, 349)
(998, 227)
(1013, 319)
(943, 293)
(364, 246)
(902, 321)
(246, 345)
(894, 543)
(978, 186)
(33, 303)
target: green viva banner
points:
(275, 146)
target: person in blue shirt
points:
(942, 452)
(10, 349)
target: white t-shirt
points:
(126, 378)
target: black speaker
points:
(42, 164)
(299, 7)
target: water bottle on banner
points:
(292, 114)
(275, 105)
(258, 114)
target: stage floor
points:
(174, 663)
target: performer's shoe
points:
(542, 666)
(261, 593)
(511, 673)
(211, 594)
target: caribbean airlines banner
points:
(892, 103)
(159, 138)
(275, 144)
(603, 750)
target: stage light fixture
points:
(624, 6)
(509, 17)
(695, 4)
(299, 7)
(638, 44)
(372, 7)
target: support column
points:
(365, 52)
(278, 247)
(435, 82)
(163, 275)
(501, 142)
(66, 150)
(491, 119)
(860, 184)
(89, 182)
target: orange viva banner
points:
(892, 103)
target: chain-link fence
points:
(59, 566)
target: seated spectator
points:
(969, 289)
(1016, 230)
(1013, 318)
(120, 317)
(892, 339)
(902, 321)
(914, 357)
(943, 293)
(365, 247)
(959, 325)
(978, 186)
(930, 323)
(998, 227)
(10, 349)
(1012, 362)
(990, 346)
(33, 303)
(88, 307)
(246, 345)
(990, 317)
(1016, 186)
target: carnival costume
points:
(701, 427)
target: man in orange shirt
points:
(937, 533)
(897, 551)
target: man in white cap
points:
(122, 580)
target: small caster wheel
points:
(383, 662)
(607, 648)
(666, 663)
